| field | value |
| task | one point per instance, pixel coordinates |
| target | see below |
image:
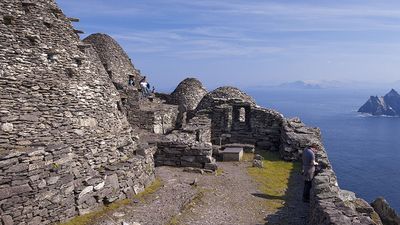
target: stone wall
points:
(296, 136)
(258, 126)
(188, 147)
(149, 115)
(329, 204)
(65, 148)
(332, 206)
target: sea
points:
(364, 150)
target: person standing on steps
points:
(144, 85)
(309, 169)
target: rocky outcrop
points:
(116, 62)
(388, 105)
(387, 214)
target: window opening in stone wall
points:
(197, 135)
(33, 39)
(26, 5)
(52, 56)
(124, 101)
(47, 24)
(229, 120)
(119, 107)
(8, 20)
(78, 61)
(70, 72)
(242, 114)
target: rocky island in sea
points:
(388, 105)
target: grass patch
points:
(90, 218)
(274, 178)
(219, 172)
(157, 184)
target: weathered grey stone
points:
(258, 163)
(7, 127)
(85, 191)
(12, 191)
(53, 180)
(99, 186)
(7, 220)
(345, 195)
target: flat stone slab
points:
(249, 148)
(232, 154)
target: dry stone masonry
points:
(116, 62)
(75, 136)
(65, 148)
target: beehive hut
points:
(116, 62)
(188, 93)
(223, 94)
(62, 138)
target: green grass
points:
(219, 172)
(157, 184)
(90, 218)
(274, 178)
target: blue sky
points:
(250, 42)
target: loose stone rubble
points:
(75, 136)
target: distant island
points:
(388, 105)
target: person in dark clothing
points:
(131, 81)
(309, 169)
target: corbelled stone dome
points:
(115, 60)
(188, 93)
(225, 94)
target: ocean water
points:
(364, 150)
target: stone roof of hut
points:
(115, 60)
(224, 94)
(188, 93)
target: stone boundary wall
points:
(329, 204)
(332, 206)
(188, 147)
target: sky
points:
(249, 43)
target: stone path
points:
(229, 198)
